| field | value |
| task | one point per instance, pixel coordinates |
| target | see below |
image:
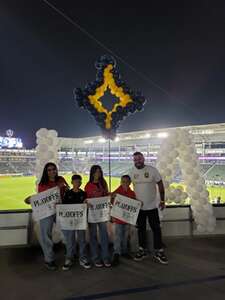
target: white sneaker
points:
(68, 264)
(85, 263)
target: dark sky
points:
(180, 45)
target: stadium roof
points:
(201, 134)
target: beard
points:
(139, 165)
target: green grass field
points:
(13, 190)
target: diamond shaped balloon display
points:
(108, 78)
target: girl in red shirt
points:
(97, 187)
(49, 179)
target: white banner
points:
(125, 209)
(98, 210)
(71, 216)
(44, 203)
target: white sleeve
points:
(130, 173)
(157, 175)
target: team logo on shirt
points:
(136, 176)
(146, 175)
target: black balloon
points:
(81, 97)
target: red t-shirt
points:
(129, 193)
(61, 181)
(95, 190)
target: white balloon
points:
(199, 188)
(210, 228)
(167, 172)
(186, 140)
(191, 182)
(50, 141)
(204, 194)
(177, 192)
(166, 184)
(195, 176)
(42, 148)
(42, 140)
(202, 220)
(177, 199)
(184, 196)
(39, 155)
(200, 228)
(50, 155)
(186, 158)
(170, 195)
(43, 132)
(208, 207)
(161, 165)
(53, 133)
(200, 181)
(193, 163)
(188, 170)
(212, 222)
(173, 154)
(169, 160)
(195, 195)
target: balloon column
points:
(180, 145)
(46, 149)
(108, 77)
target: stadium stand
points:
(78, 154)
(213, 171)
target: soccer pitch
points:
(15, 189)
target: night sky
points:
(179, 45)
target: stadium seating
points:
(212, 171)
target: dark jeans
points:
(154, 222)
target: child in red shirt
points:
(121, 228)
(49, 179)
(97, 187)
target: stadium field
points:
(15, 189)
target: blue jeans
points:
(70, 242)
(46, 242)
(104, 241)
(120, 238)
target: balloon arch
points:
(177, 148)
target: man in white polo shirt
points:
(145, 180)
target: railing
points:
(16, 226)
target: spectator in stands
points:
(75, 196)
(145, 180)
(218, 200)
(49, 179)
(97, 187)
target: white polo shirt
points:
(145, 188)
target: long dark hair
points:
(102, 181)
(44, 177)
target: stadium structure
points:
(78, 154)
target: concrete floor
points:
(196, 270)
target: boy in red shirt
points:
(121, 228)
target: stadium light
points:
(162, 135)
(147, 135)
(88, 142)
(102, 140)
(117, 139)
